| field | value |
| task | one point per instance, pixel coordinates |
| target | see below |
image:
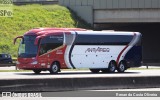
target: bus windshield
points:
(27, 48)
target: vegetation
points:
(16, 71)
(27, 17)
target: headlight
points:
(17, 62)
(9, 56)
(35, 62)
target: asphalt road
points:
(78, 74)
(79, 80)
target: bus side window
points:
(50, 43)
(42, 49)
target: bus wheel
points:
(55, 68)
(94, 70)
(112, 67)
(37, 71)
(121, 67)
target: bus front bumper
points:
(33, 65)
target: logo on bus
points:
(95, 50)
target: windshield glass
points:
(27, 48)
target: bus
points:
(53, 49)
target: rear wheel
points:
(37, 71)
(121, 67)
(55, 68)
(95, 70)
(112, 67)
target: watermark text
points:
(13, 94)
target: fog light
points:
(17, 62)
(35, 62)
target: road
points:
(69, 80)
(75, 74)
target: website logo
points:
(6, 8)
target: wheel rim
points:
(54, 68)
(122, 67)
(112, 67)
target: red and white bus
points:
(53, 49)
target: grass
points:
(15, 70)
(27, 17)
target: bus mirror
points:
(15, 39)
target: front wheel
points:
(55, 68)
(121, 67)
(37, 71)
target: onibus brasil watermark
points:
(6, 8)
(14, 94)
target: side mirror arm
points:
(15, 39)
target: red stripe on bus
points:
(123, 50)
(121, 54)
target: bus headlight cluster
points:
(34, 63)
(17, 62)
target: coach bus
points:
(54, 49)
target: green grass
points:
(27, 17)
(16, 71)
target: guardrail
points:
(43, 2)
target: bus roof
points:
(56, 31)
(40, 31)
(106, 33)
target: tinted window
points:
(0, 56)
(50, 43)
(27, 47)
(103, 39)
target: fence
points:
(43, 2)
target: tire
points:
(37, 71)
(55, 68)
(95, 70)
(121, 67)
(112, 67)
